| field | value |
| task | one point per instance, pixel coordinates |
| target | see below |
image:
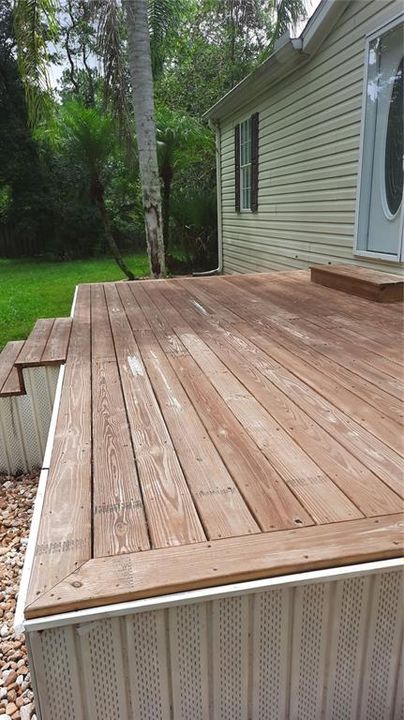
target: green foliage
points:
(200, 49)
(33, 289)
(35, 27)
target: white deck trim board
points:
(206, 594)
(19, 618)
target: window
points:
(245, 164)
(380, 212)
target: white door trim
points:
(385, 27)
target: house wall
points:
(309, 138)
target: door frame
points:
(399, 257)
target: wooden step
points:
(47, 344)
(10, 383)
(370, 284)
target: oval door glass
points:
(393, 169)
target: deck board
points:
(323, 432)
(171, 514)
(217, 429)
(383, 461)
(193, 445)
(119, 522)
(271, 501)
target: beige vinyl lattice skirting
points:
(25, 420)
(303, 648)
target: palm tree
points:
(36, 25)
(89, 137)
(140, 68)
(181, 142)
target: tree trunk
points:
(97, 194)
(167, 177)
(140, 67)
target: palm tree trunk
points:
(140, 67)
(97, 193)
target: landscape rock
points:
(16, 502)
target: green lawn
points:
(32, 289)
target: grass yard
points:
(32, 289)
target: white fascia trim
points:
(19, 617)
(205, 595)
(321, 22)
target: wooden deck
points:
(214, 430)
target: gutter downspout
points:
(219, 269)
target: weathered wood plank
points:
(367, 365)
(313, 488)
(385, 462)
(171, 514)
(370, 284)
(55, 351)
(310, 421)
(34, 346)
(374, 405)
(9, 378)
(219, 562)
(64, 537)
(221, 507)
(119, 523)
(268, 496)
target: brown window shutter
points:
(237, 168)
(254, 161)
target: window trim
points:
(357, 251)
(248, 120)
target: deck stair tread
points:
(365, 282)
(47, 343)
(10, 383)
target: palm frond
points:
(111, 47)
(35, 27)
(287, 14)
(164, 17)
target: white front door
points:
(380, 226)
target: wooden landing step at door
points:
(370, 284)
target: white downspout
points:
(219, 269)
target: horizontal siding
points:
(309, 152)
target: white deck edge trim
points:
(206, 594)
(19, 618)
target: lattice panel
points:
(148, 665)
(40, 386)
(30, 433)
(326, 650)
(102, 657)
(11, 438)
(346, 651)
(57, 678)
(189, 661)
(310, 629)
(385, 632)
(271, 619)
(25, 420)
(230, 620)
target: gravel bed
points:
(16, 506)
